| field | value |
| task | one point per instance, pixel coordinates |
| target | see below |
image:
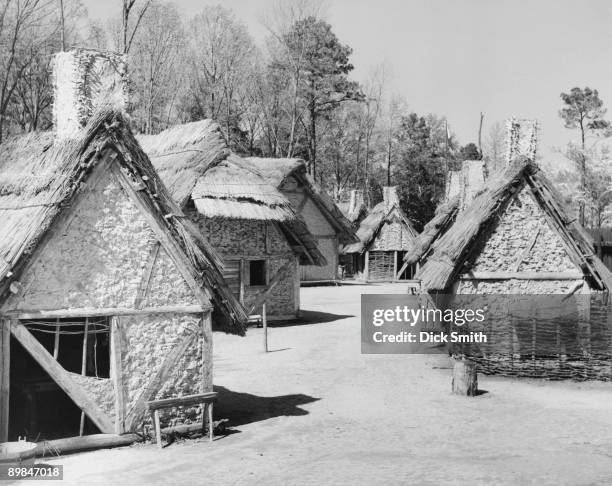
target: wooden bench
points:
(204, 399)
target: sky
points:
(457, 58)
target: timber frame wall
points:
(124, 421)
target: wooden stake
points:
(264, 321)
(56, 342)
(465, 378)
(5, 360)
(84, 372)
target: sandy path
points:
(316, 411)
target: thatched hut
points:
(515, 237)
(323, 218)
(249, 222)
(107, 291)
(385, 235)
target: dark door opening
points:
(38, 408)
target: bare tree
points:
(21, 22)
(220, 53)
(155, 64)
(129, 26)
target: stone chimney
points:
(465, 183)
(390, 196)
(356, 200)
(85, 81)
(453, 184)
(472, 175)
(521, 139)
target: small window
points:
(257, 273)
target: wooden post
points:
(116, 373)
(211, 424)
(465, 378)
(241, 273)
(395, 272)
(84, 372)
(366, 268)
(57, 339)
(5, 363)
(264, 321)
(158, 436)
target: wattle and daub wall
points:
(242, 239)
(506, 243)
(97, 258)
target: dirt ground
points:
(314, 411)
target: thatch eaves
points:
(39, 177)
(450, 252)
(196, 165)
(277, 171)
(443, 218)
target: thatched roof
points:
(372, 224)
(194, 162)
(277, 171)
(450, 251)
(436, 227)
(39, 178)
(354, 210)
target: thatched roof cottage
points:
(323, 218)
(515, 237)
(385, 235)
(251, 224)
(107, 291)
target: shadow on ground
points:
(310, 317)
(244, 408)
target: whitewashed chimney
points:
(84, 81)
(453, 185)
(521, 139)
(472, 179)
(355, 201)
(390, 197)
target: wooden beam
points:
(106, 312)
(84, 371)
(241, 277)
(143, 289)
(116, 373)
(525, 253)
(522, 276)
(182, 401)
(61, 377)
(5, 363)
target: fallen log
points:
(71, 445)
